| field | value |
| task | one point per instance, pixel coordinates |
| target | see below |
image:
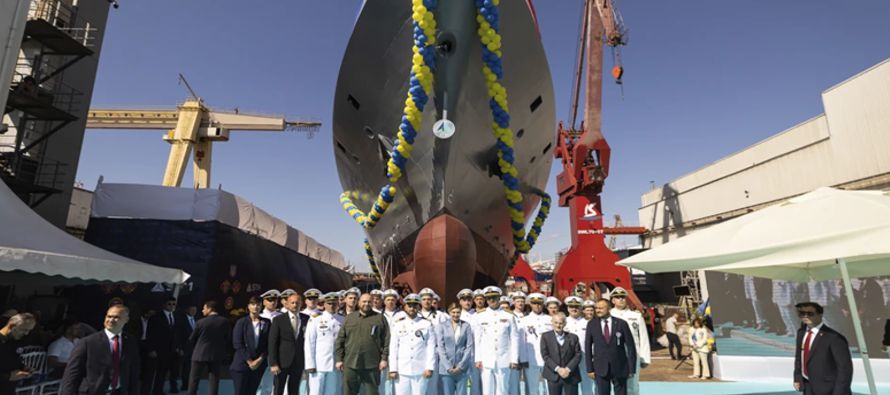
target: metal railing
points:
(45, 173)
(64, 17)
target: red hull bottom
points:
(448, 257)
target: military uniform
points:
(387, 387)
(641, 339)
(412, 352)
(497, 347)
(532, 326)
(266, 383)
(321, 335)
(578, 327)
(362, 344)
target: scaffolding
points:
(40, 103)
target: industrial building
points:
(845, 147)
(51, 58)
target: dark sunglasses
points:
(806, 313)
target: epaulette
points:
(315, 315)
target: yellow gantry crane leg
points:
(186, 133)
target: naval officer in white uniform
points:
(321, 334)
(532, 326)
(412, 350)
(497, 346)
(638, 329)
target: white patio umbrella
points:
(825, 234)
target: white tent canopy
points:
(825, 234)
(30, 244)
(799, 240)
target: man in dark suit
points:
(561, 351)
(610, 350)
(106, 362)
(164, 342)
(286, 357)
(210, 348)
(822, 354)
(186, 328)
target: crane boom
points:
(192, 126)
(102, 118)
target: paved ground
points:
(663, 368)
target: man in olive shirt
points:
(362, 349)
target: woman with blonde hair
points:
(698, 341)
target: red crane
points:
(584, 153)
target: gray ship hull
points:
(455, 177)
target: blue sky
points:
(703, 79)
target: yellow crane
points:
(192, 126)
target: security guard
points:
(310, 299)
(577, 324)
(638, 329)
(532, 326)
(497, 347)
(412, 350)
(321, 334)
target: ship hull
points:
(448, 227)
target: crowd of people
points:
(348, 342)
(380, 342)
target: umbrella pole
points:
(857, 325)
(176, 290)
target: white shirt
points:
(638, 330)
(670, 326)
(270, 314)
(170, 320)
(256, 330)
(295, 322)
(144, 327)
(611, 326)
(815, 331)
(61, 349)
(412, 346)
(532, 326)
(497, 345)
(191, 321)
(321, 336)
(578, 327)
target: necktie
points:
(806, 352)
(293, 323)
(606, 334)
(170, 319)
(115, 361)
